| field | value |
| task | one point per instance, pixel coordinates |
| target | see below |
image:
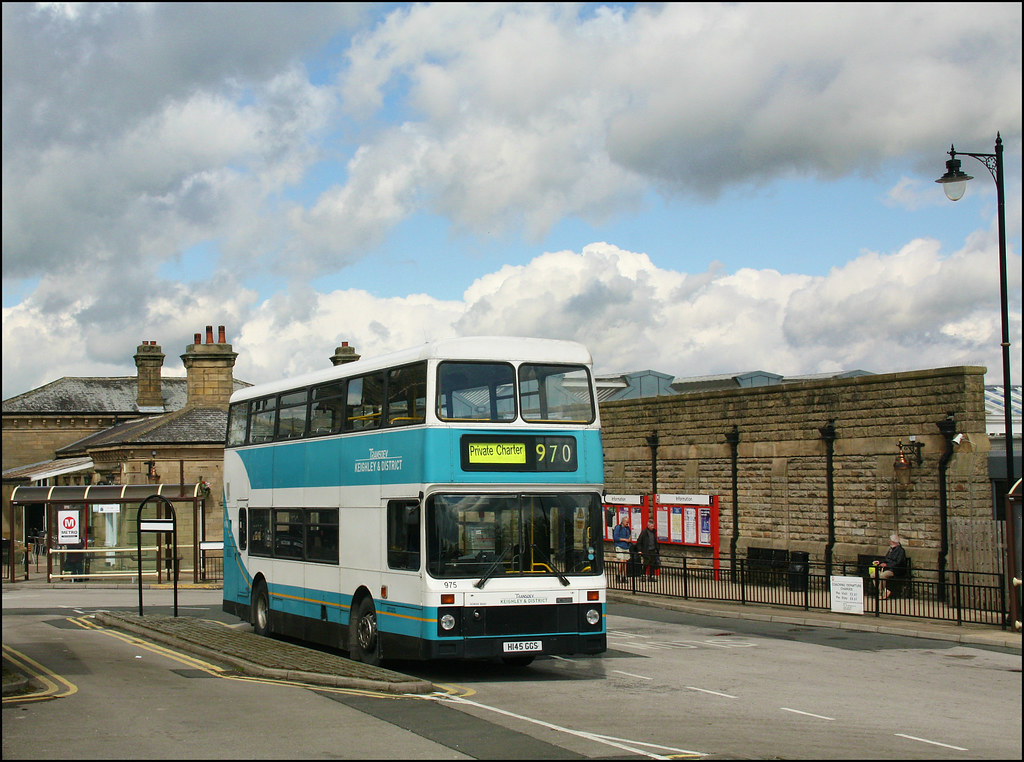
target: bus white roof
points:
(494, 348)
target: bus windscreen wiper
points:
(551, 565)
(493, 568)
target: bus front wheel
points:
(261, 610)
(364, 638)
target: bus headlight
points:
(593, 616)
(447, 622)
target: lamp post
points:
(954, 183)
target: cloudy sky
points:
(690, 188)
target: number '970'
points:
(555, 454)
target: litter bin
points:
(799, 568)
(634, 567)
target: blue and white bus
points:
(443, 502)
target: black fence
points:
(211, 567)
(961, 597)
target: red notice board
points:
(631, 508)
(678, 519)
(687, 520)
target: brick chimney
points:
(344, 354)
(149, 359)
(209, 370)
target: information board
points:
(847, 594)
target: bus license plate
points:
(522, 645)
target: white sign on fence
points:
(847, 594)
(156, 525)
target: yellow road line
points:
(216, 671)
(54, 686)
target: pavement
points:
(245, 652)
(911, 627)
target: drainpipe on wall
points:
(652, 442)
(733, 438)
(947, 427)
(828, 433)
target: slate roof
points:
(91, 395)
(194, 425)
(102, 395)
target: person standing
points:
(647, 544)
(620, 537)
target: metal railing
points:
(61, 564)
(211, 567)
(90, 564)
(962, 597)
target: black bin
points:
(634, 566)
(799, 568)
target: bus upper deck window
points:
(476, 391)
(555, 394)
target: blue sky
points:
(692, 188)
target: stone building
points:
(782, 434)
(124, 431)
(812, 459)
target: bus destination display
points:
(518, 453)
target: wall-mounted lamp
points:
(152, 466)
(907, 456)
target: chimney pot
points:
(221, 337)
(209, 334)
(343, 354)
(198, 339)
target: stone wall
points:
(31, 439)
(781, 462)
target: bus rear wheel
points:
(363, 635)
(261, 610)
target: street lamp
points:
(954, 183)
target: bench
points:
(767, 565)
(901, 582)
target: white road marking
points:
(934, 743)
(624, 744)
(807, 714)
(630, 674)
(718, 643)
(713, 693)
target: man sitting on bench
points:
(886, 568)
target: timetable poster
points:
(675, 525)
(690, 535)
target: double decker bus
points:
(442, 502)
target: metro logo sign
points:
(68, 528)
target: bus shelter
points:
(91, 530)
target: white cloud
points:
(135, 134)
(920, 308)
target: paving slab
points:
(263, 656)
